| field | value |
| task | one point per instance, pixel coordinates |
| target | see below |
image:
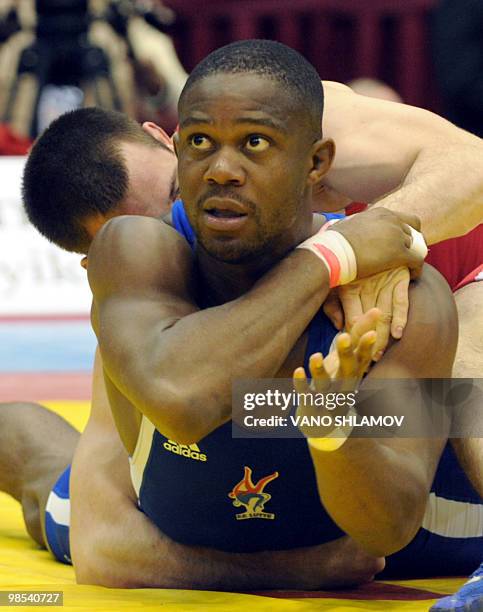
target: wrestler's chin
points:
(229, 249)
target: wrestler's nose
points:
(225, 168)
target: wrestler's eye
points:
(200, 142)
(257, 144)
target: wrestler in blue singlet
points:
(244, 495)
(247, 495)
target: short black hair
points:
(269, 59)
(76, 169)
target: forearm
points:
(175, 363)
(407, 159)
(130, 552)
(444, 187)
(376, 488)
(123, 549)
(373, 491)
(183, 385)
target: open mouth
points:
(224, 214)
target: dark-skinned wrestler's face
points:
(245, 165)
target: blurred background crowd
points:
(134, 55)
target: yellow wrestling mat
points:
(24, 567)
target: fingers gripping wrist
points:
(337, 254)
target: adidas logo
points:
(192, 451)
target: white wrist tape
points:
(336, 253)
(418, 244)
(337, 436)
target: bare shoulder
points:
(133, 252)
(123, 232)
(432, 295)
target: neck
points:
(221, 282)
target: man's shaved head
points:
(271, 60)
(76, 170)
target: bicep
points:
(378, 141)
(140, 274)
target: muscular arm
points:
(376, 489)
(176, 364)
(124, 549)
(407, 158)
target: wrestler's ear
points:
(322, 156)
(158, 133)
(176, 142)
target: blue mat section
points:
(47, 347)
